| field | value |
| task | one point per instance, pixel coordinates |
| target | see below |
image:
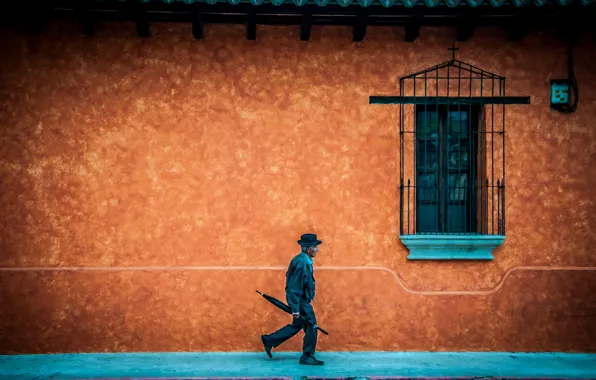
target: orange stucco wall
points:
(149, 186)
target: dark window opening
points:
(447, 168)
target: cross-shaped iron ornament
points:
(453, 49)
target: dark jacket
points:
(300, 282)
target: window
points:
(446, 179)
(452, 161)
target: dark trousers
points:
(310, 334)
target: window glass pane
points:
(427, 156)
(428, 123)
(457, 186)
(458, 123)
(457, 206)
(427, 187)
(428, 217)
(457, 217)
(458, 156)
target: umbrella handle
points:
(314, 325)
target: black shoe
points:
(308, 359)
(267, 346)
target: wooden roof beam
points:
(465, 28)
(141, 19)
(412, 29)
(360, 26)
(306, 25)
(85, 19)
(516, 32)
(251, 25)
(197, 23)
(517, 25)
(33, 16)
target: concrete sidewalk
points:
(285, 365)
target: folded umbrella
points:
(288, 310)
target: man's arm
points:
(295, 288)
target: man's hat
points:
(309, 240)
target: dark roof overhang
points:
(517, 16)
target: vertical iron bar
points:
(492, 160)
(503, 205)
(401, 159)
(504, 151)
(464, 189)
(426, 193)
(415, 141)
(459, 137)
(472, 165)
(481, 154)
(486, 206)
(409, 206)
(445, 136)
(498, 206)
(439, 148)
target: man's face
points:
(312, 251)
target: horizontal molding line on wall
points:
(399, 281)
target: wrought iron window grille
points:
(455, 183)
(452, 150)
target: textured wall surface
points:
(149, 186)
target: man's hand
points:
(296, 315)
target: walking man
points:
(300, 292)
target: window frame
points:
(475, 166)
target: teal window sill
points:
(451, 247)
